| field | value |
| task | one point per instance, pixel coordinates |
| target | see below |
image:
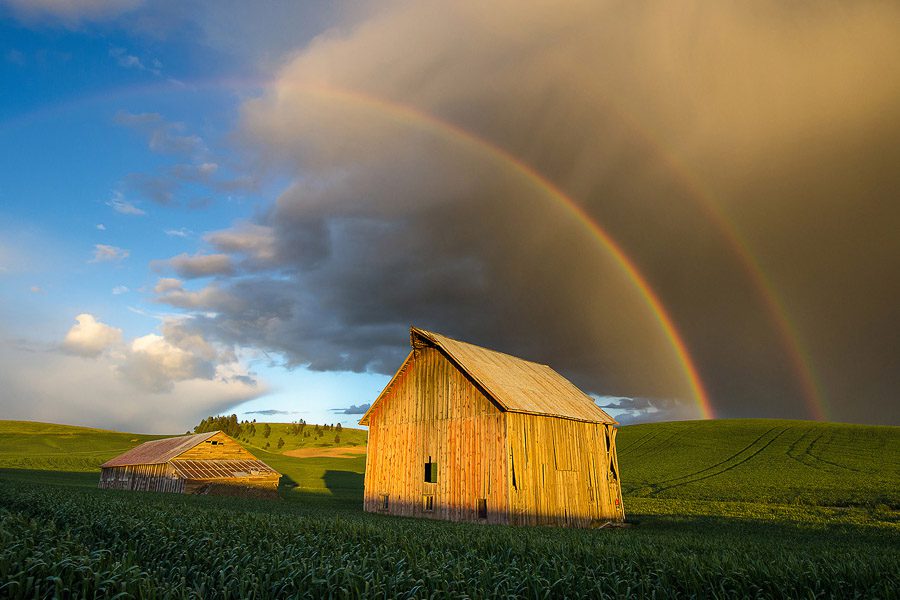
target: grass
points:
(763, 461)
(727, 509)
(45, 446)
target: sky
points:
(690, 209)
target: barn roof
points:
(221, 468)
(158, 451)
(515, 384)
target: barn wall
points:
(559, 472)
(146, 478)
(433, 410)
(225, 448)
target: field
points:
(727, 509)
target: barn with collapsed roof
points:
(204, 463)
(469, 434)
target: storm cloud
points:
(784, 119)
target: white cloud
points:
(89, 337)
(119, 204)
(106, 253)
(130, 61)
(96, 393)
(101, 226)
(119, 290)
(181, 232)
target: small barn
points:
(464, 433)
(204, 463)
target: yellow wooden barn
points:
(469, 434)
(204, 463)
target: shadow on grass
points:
(343, 489)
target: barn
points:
(464, 433)
(204, 463)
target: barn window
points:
(481, 506)
(384, 502)
(428, 502)
(431, 471)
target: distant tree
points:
(267, 444)
(267, 430)
(280, 443)
(337, 439)
(229, 425)
(339, 428)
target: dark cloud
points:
(198, 265)
(649, 117)
(352, 409)
(628, 411)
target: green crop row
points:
(68, 542)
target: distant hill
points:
(762, 460)
(46, 446)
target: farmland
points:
(725, 509)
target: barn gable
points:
(514, 384)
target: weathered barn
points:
(205, 463)
(469, 434)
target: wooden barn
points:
(205, 463)
(469, 434)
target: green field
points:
(750, 508)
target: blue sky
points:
(118, 138)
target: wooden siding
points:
(559, 472)
(433, 412)
(224, 448)
(144, 478)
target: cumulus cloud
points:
(119, 204)
(96, 393)
(198, 265)
(107, 253)
(89, 337)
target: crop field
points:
(726, 509)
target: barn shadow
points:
(343, 489)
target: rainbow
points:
(788, 336)
(431, 124)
